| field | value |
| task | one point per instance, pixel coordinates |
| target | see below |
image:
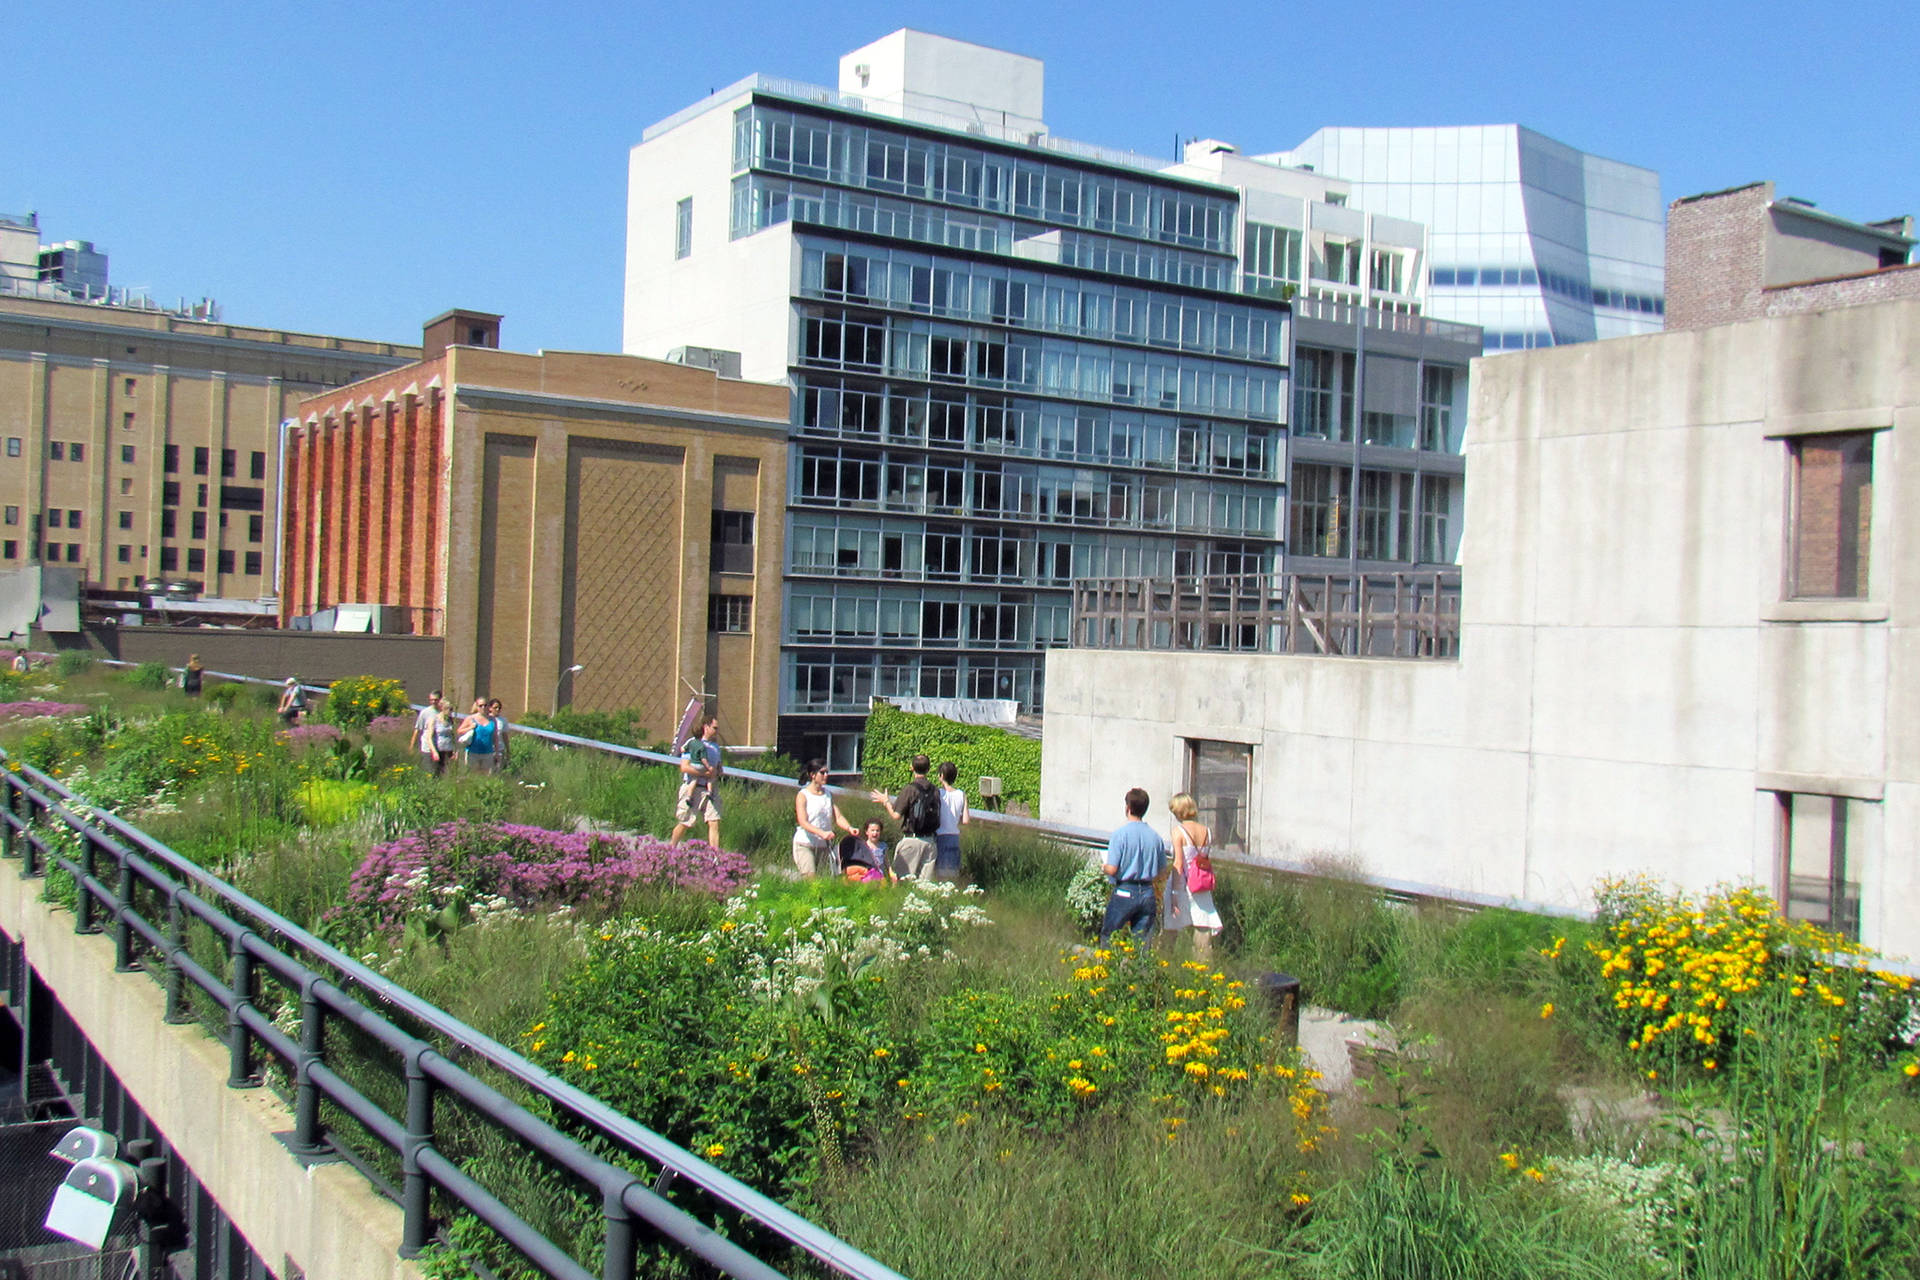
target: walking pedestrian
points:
(502, 739)
(953, 816)
(190, 676)
(1136, 855)
(917, 810)
(815, 817)
(421, 739)
(478, 735)
(700, 770)
(1190, 888)
(446, 737)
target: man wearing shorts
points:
(699, 799)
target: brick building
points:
(143, 444)
(1741, 254)
(542, 511)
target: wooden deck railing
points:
(1369, 615)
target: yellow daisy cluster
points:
(200, 756)
(1676, 972)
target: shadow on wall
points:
(317, 657)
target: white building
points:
(1538, 243)
(1687, 641)
(1019, 361)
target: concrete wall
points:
(315, 656)
(323, 1222)
(1632, 689)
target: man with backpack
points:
(917, 810)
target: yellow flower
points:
(1546, 1010)
(1301, 1199)
(1912, 1069)
(979, 1048)
(715, 1150)
(1509, 1159)
(880, 1053)
(1534, 1173)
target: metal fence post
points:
(415, 1193)
(176, 1010)
(620, 1244)
(83, 900)
(239, 1042)
(306, 1094)
(123, 958)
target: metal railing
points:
(1366, 615)
(157, 905)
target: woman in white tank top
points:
(1191, 840)
(815, 816)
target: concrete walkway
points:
(1324, 1036)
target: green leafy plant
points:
(225, 695)
(894, 737)
(151, 676)
(352, 702)
(72, 662)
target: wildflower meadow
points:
(959, 1081)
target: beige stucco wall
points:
(1632, 688)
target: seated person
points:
(864, 859)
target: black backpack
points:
(922, 817)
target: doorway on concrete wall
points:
(1817, 859)
(1220, 780)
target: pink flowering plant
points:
(33, 710)
(429, 883)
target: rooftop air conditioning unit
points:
(724, 363)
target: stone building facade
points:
(543, 511)
(143, 445)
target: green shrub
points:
(621, 728)
(894, 737)
(225, 695)
(1342, 939)
(352, 702)
(72, 662)
(152, 676)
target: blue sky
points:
(354, 168)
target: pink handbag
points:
(1200, 874)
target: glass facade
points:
(1009, 371)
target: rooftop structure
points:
(1741, 253)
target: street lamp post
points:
(561, 681)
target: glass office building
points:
(1536, 242)
(1016, 361)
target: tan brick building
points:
(540, 511)
(138, 444)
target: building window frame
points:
(1848, 456)
(730, 614)
(683, 228)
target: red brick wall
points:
(1844, 291)
(1716, 256)
(365, 473)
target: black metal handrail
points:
(116, 865)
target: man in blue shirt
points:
(1136, 855)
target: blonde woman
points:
(1190, 890)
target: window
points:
(1831, 486)
(126, 453)
(169, 559)
(200, 453)
(54, 515)
(1439, 397)
(11, 549)
(229, 462)
(76, 452)
(1220, 780)
(73, 553)
(257, 466)
(240, 497)
(1323, 394)
(170, 458)
(130, 386)
(13, 446)
(196, 560)
(124, 554)
(729, 614)
(170, 493)
(57, 450)
(168, 527)
(683, 228)
(202, 500)
(255, 525)
(126, 484)
(1272, 258)
(126, 420)
(124, 519)
(224, 562)
(73, 518)
(733, 541)
(1320, 516)
(1817, 859)
(13, 515)
(199, 524)
(253, 563)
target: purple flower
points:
(308, 734)
(28, 710)
(391, 724)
